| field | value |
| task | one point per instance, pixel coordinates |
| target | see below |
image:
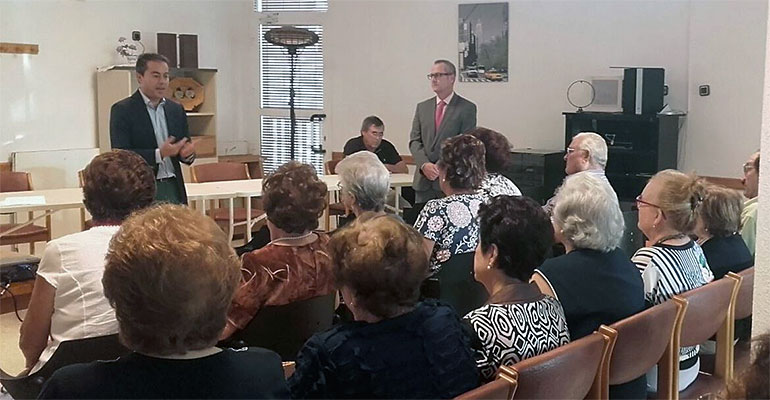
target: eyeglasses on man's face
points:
(437, 75)
(749, 166)
(571, 150)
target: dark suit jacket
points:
(131, 129)
(425, 142)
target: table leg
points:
(248, 219)
(231, 222)
(398, 200)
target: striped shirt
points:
(670, 270)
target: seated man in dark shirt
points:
(372, 130)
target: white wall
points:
(552, 43)
(48, 101)
(761, 318)
(377, 54)
(727, 39)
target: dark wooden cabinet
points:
(536, 172)
(638, 145)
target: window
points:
(290, 5)
(275, 78)
(275, 141)
(275, 73)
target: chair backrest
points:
(338, 155)
(11, 181)
(707, 309)
(69, 352)
(458, 287)
(572, 371)
(502, 388)
(257, 169)
(284, 329)
(220, 171)
(651, 330)
(744, 302)
(331, 165)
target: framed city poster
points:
(483, 42)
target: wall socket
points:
(136, 36)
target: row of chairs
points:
(627, 349)
(20, 182)
(584, 368)
(16, 181)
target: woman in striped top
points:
(671, 263)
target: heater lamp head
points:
(291, 37)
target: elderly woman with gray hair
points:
(364, 183)
(595, 281)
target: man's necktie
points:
(440, 113)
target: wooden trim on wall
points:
(5, 166)
(731, 183)
(19, 48)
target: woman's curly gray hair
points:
(588, 213)
(363, 176)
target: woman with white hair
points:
(364, 183)
(595, 281)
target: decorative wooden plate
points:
(187, 92)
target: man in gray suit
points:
(436, 120)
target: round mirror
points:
(580, 94)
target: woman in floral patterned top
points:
(449, 225)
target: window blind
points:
(275, 142)
(290, 5)
(275, 73)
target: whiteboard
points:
(53, 169)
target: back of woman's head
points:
(170, 275)
(364, 176)
(462, 157)
(117, 183)
(382, 261)
(498, 149)
(588, 214)
(720, 211)
(680, 197)
(520, 230)
(294, 198)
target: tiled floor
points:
(11, 359)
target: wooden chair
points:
(502, 388)
(334, 206)
(709, 310)
(20, 182)
(744, 300)
(84, 223)
(288, 368)
(643, 340)
(285, 328)
(228, 171)
(744, 303)
(69, 352)
(576, 370)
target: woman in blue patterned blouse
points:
(449, 225)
